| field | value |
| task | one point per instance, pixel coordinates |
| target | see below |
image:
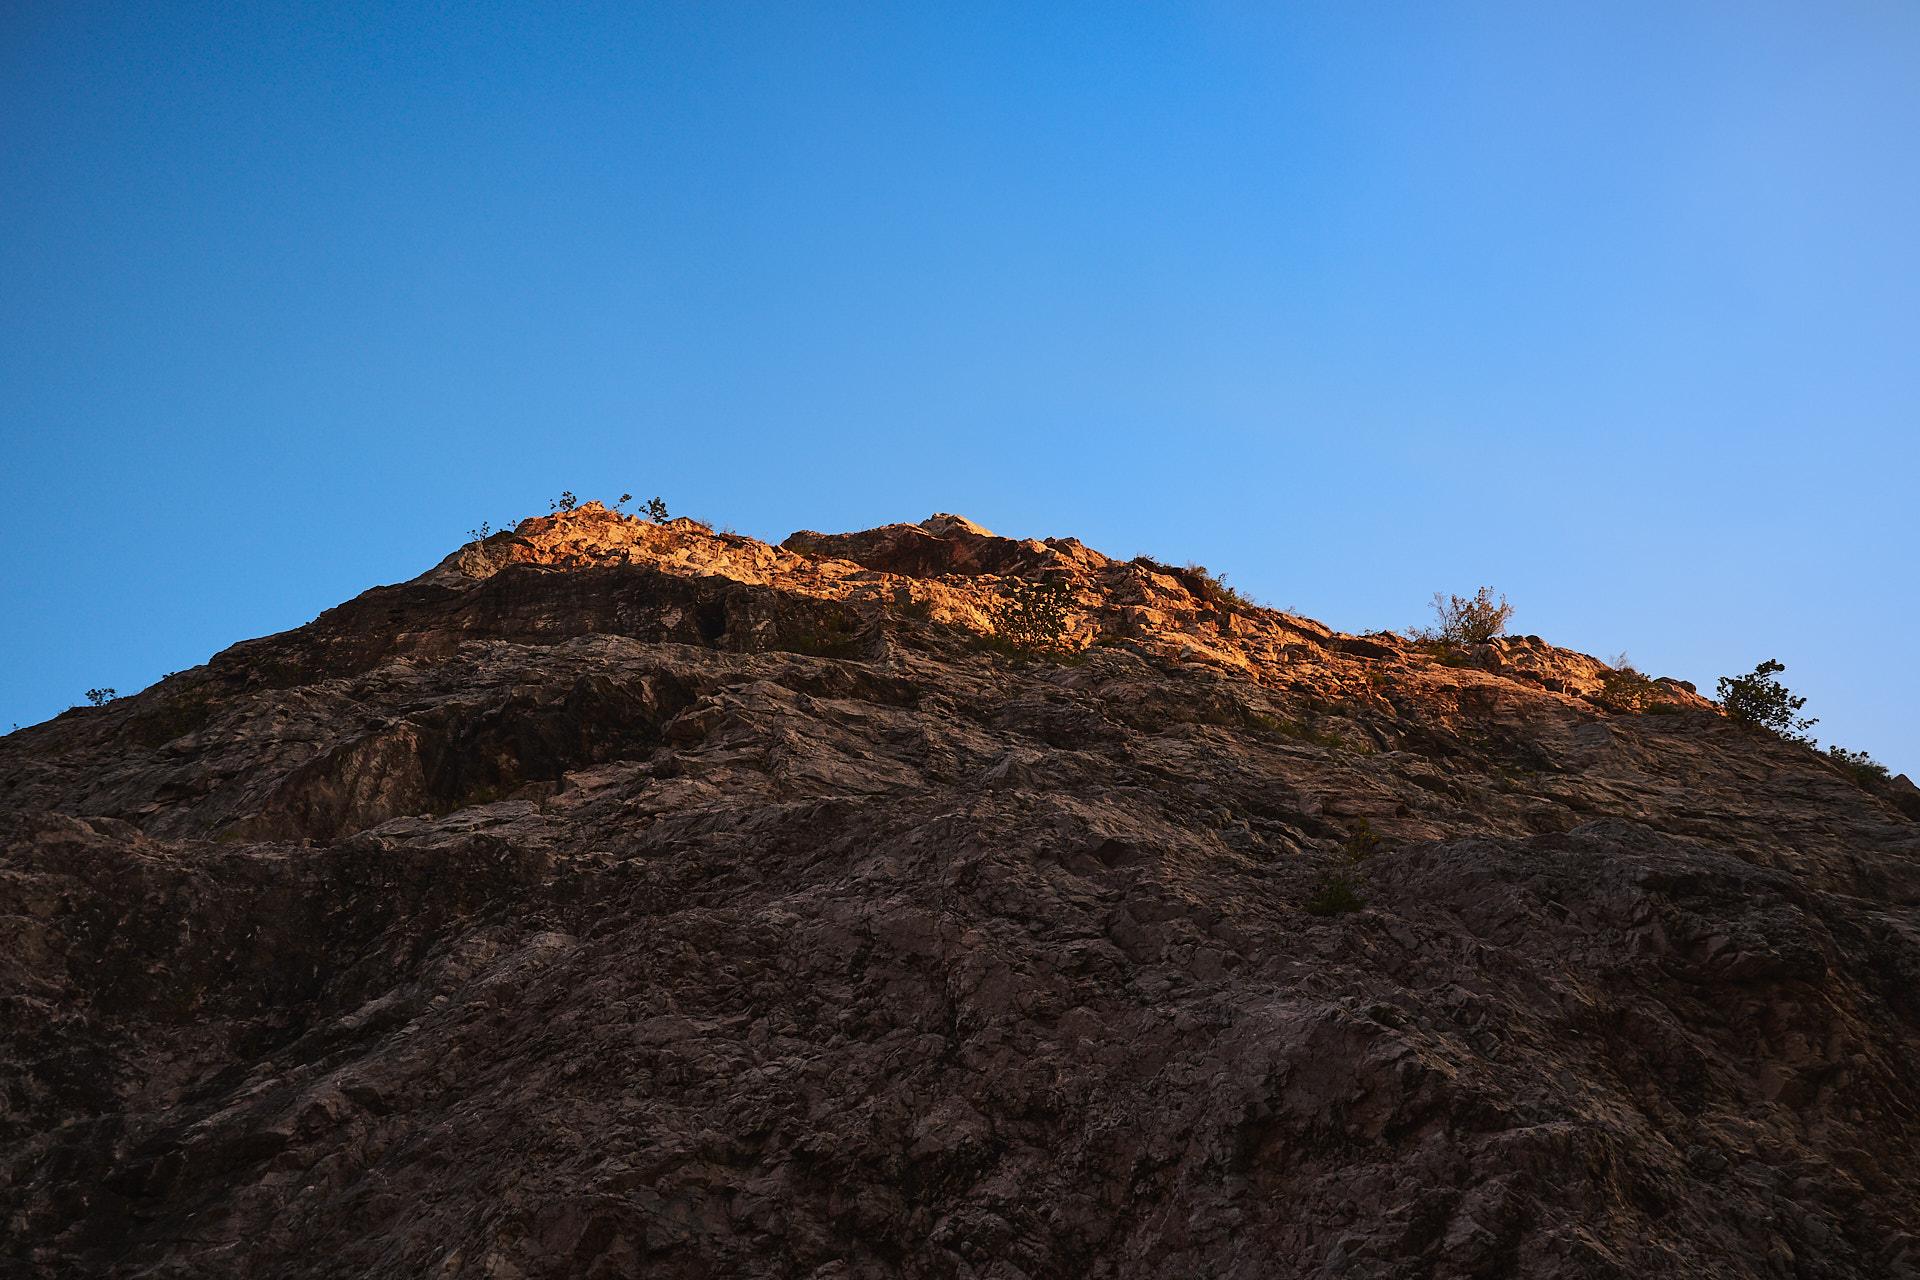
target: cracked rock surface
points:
(624, 899)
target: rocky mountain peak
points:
(955, 571)
(941, 523)
(622, 897)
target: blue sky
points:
(1612, 307)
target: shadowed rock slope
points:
(627, 899)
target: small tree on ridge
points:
(1473, 619)
(1759, 700)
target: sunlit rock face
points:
(627, 899)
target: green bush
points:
(1863, 768)
(1626, 690)
(101, 697)
(1759, 700)
(1030, 619)
(1212, 589)
(1337, 892)
(831, 633)
(652, 509)
(1472, 619)
(1334, 895)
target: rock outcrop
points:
(628, 899)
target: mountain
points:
(621, 898)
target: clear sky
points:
(1613, 306)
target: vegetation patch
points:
(1760, 701)
(1202, 583)
(1337, 891)
(1298, 731)
(1626, 690)
(1473, 619)
(907, 605)
(1212, 589)
(1859, 766)
(652, 509)
(831, 633)
(1334, 894)
(1445, 652)
(1030, 621)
